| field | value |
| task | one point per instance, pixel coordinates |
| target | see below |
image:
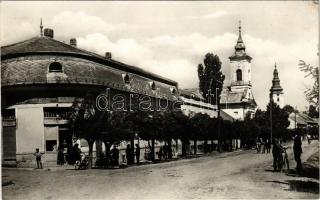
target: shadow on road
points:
(304, 186)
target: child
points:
(38, 155)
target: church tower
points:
(240, 64)
(237, 99)
(276, 91)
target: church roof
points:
(236, 97)
(49, 46)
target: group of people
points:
(263, 146)
(165, 152)
(280, 156)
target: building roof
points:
(226, 116)
(303, 119)
(27, 63)
(192, 93)
(49, 46)
(236, 97)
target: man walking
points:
(137, 153)
(297, 150)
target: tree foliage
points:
(210, 76)
(312, 93)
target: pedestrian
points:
(263, 147)
(268, 145)
(309, 138)
(60, 157)
(137, 153)
(128, 154)
(38, 155)
(276, 153)
(115, 156)
(160, 153)
(297, 150)
(76, 153)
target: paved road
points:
(242, 174)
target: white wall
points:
(30, 129)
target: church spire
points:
(275, 81)
(41, 27)
(240, 45)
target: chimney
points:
(108, 55)
(48, 32)
(73, 42)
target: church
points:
(237, 99)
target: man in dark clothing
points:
(128, 154)
(297, 150)
(276, 152)
(137, 153)
(115, 156)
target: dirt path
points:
(243, 174)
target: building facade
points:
(237, 99)
(41, 78)
(276, 91)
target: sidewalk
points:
(142, 163)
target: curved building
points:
(40, 79)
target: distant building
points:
(237, 99)
(276, 91)
(301, 121)
(193, 102)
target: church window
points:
(278, 99)
(239, 75)
(55, 67)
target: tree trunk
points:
(107, 153)
(90, 143)
(184, 148)
(132, 151)
(211, 146)
(195, 147)
(170, 149)
(152, 150)
(177, 146)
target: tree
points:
(279, 119)
(289, 109)
(210, 76)
(312, 94)
(313, 112)
(86, 122)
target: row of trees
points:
(112, 127)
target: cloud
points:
(177, 57)
(68, 23)
(215, 15)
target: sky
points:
(172, 38)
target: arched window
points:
(239, 75)
(55, 67)
(126, 79)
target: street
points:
(240, 174)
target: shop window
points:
(55, 67)
(51, 145)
